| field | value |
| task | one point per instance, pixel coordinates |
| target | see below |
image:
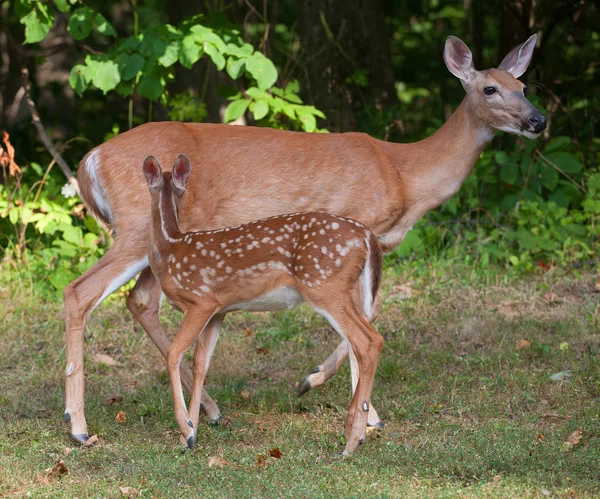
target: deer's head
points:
(496, 95)
(171, 183)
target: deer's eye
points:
(489, 90)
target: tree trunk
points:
(343, 42)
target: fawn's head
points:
(496, 95)
(171, 183)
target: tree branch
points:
(35, 118)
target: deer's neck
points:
(165, 227)
(432, 170)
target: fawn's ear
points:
(518, 59)
(152, 172)
(181, 171)
(458, 58)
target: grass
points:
(463, 386)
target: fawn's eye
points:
(489, 90)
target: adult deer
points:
(246, 173)
(332, 263)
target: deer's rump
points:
(242, 174)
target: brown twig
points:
(35, 118)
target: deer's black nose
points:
(537, 121)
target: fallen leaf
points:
(540, 438)
(559, 376)
(597, 286)
(550, 297)
(59, 469)
(550, 415)
(542, 265)
(261, 460)
(403, 291)
(263, 350)
(102, 358)
(121, 417)
(91, 441)
(112, 399)
(564, 346)
(248, 333)
(129, 491)
(245, 395)
(132, 385)
(218, 462)
(276, 453)
(68, 450)
(574, 439)
(523, 344)
(509, 310)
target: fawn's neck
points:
(165, 221)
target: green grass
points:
(468, 413)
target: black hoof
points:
(190, 424)
(316, 370)
(67, 417)
(82, 438)
(361, 441)
(202, 408)
(304, 387)
(379, 425)
(191, 442)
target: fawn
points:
(332, 263)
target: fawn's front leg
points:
(202, 355)
(194, 321)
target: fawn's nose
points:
(537, 121)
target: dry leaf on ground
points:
(113, 399)
(574, 439)
(248, 333)
(550, 297)
(132, 385)
(261, 460)
(102, 358)
(218, 462)
(129, 491)
(523, 344)
(59, 469)
(275, 452)
(597, 286)
(121, 417)
(91, 441)
(245, 395)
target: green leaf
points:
(151, 86)
(130, 44)
(557, 144)
(215, 55)
(236, 109)
(71, 234)
(501, 157)
(78, 80)
(37, 26)
(565, 161)
(307, 119)
(549, 177)
(130, 65)
(61, 277)
(262, 70)
(106, 75)
(81, 23)
(508, 173)
(62, 5)
(259, 109)
(239, 51)
(190, 51)
(257, 94)
(103, 26)
(171, 54)
(235, 67)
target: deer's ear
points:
(458, 58)
(181, 171)
(518, 59)
(152, 172)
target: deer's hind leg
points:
(144, 302)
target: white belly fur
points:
(282, 298)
